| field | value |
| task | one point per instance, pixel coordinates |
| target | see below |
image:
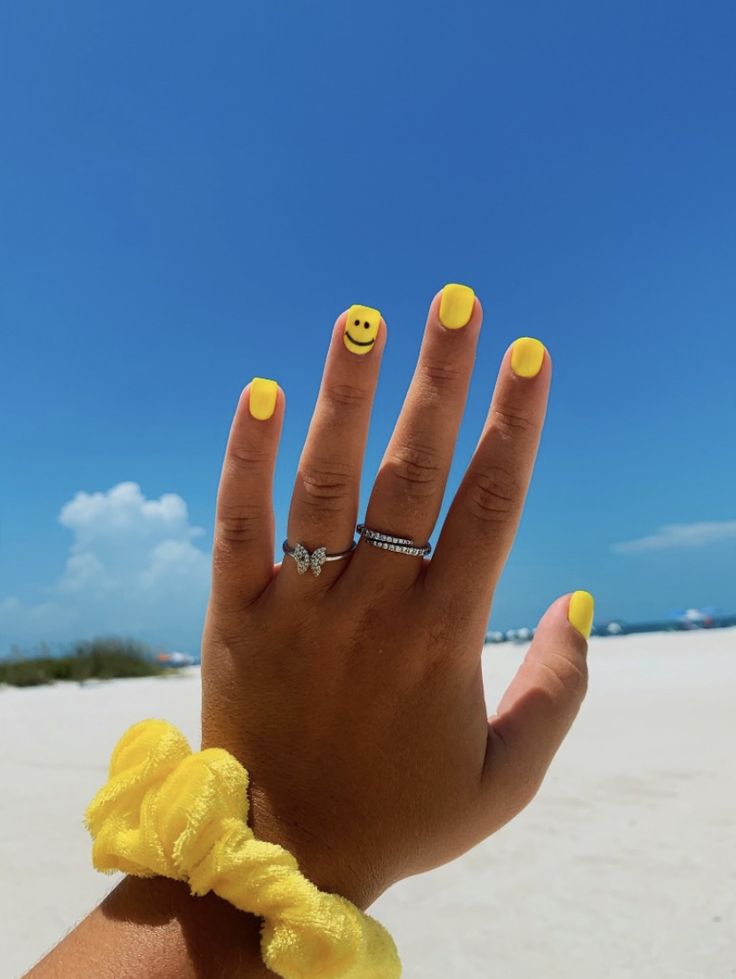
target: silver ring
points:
(315, 560)
(402, 545)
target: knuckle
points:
(239, 523)
(511, 421)
(246, 459)
(325, 486)
(345, 395)
(569, 675)
(417, 466)
(493, 494)
(438, 375)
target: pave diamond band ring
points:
(314, 561)
(402, 545)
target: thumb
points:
(542, 701)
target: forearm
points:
(152, 928)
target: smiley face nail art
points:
(361, 329)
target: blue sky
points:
(190, 195)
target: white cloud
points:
(132, 569)
(681, 535)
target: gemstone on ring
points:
(305, 560)
(389, 542)
(314, 560)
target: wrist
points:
(330, 871)
(333, 872)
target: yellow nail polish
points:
(456, 306)
(527, 357)
(580, 612)
(262, 398)
(361, 329)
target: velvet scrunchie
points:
(166, 811)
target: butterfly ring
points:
(314, 560)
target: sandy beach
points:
(623, 866)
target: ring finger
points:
(324, 504)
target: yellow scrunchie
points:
(166, 811)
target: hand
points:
(355, 698)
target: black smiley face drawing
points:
(361, 329)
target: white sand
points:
(624, 865)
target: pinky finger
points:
(242, 560)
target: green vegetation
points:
(100, 659)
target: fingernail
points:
(527, 357)
(361, 329)
(262, 398)
(456, 306)
(580, 612)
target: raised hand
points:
(354, 695)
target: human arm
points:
(355, 699)
(154, 928)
